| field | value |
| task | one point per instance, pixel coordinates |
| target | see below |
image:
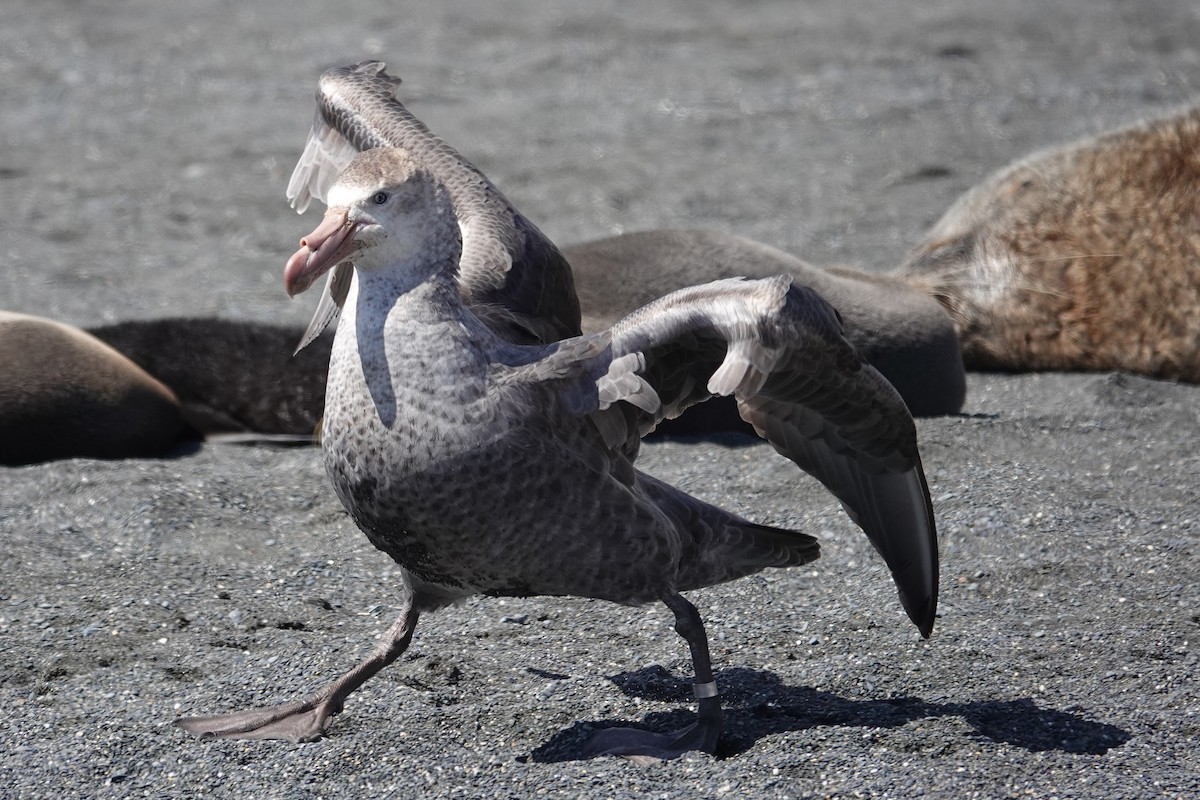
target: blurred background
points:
(145, 147)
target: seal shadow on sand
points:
(759, 704)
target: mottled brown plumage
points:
(483, 466)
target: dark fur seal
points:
(898, 329)
(230, 376)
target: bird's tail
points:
(719, 546)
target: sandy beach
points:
(146, 148)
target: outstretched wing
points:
(779, 349)
(507, 263)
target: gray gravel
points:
(145, 147)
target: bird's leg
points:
(702, 735)
(304, 720)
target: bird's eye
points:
(379, 198)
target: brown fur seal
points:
(230, 376)
(1085, 257)
(901, 331)
(65, 394)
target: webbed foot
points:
(648, 747)
(305, 720)
(298, 721)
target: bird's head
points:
(385, 212)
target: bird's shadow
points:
(758, 704)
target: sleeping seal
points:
(64, 394)
(900, 330)
(1085, 257)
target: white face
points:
(384, 213)
(393, 221)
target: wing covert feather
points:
(779, 349)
